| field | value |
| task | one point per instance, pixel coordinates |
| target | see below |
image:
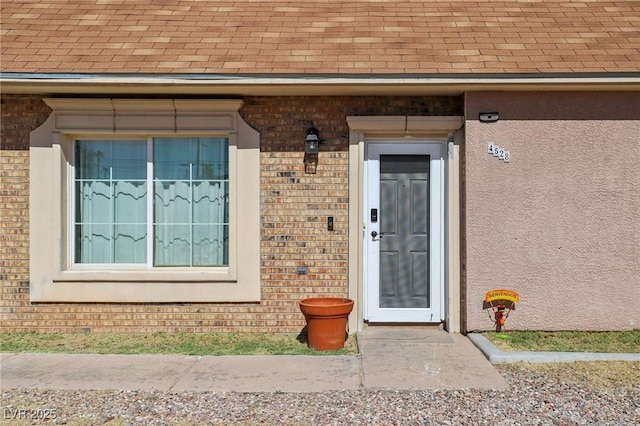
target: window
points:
(185, 220)
(144, 201)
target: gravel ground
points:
(537, 395)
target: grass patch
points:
(164, 343)
(567, 341)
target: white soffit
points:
(406, 124)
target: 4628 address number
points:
(501, 153)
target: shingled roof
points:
(316, 37)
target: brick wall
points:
(296, 200)
(20, 115)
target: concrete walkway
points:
(419, 358)
(390, 357)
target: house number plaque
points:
(501, 153)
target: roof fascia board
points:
(97, 84)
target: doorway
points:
(404, 232)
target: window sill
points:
(145, 292)
(131, 286)
(147, 275)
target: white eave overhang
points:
(309, 85)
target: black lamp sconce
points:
(312, 141)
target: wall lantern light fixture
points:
(312, 141)
(488, 117)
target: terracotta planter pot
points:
(326, 321)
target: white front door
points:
(404, 232)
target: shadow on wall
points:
(556, 105)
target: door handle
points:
(375, 234)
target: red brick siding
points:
(295, 204)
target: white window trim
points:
(54, 277)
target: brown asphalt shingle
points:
(316, 37)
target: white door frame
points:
(447, 129)
(371, 310)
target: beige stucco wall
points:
(559, 223)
